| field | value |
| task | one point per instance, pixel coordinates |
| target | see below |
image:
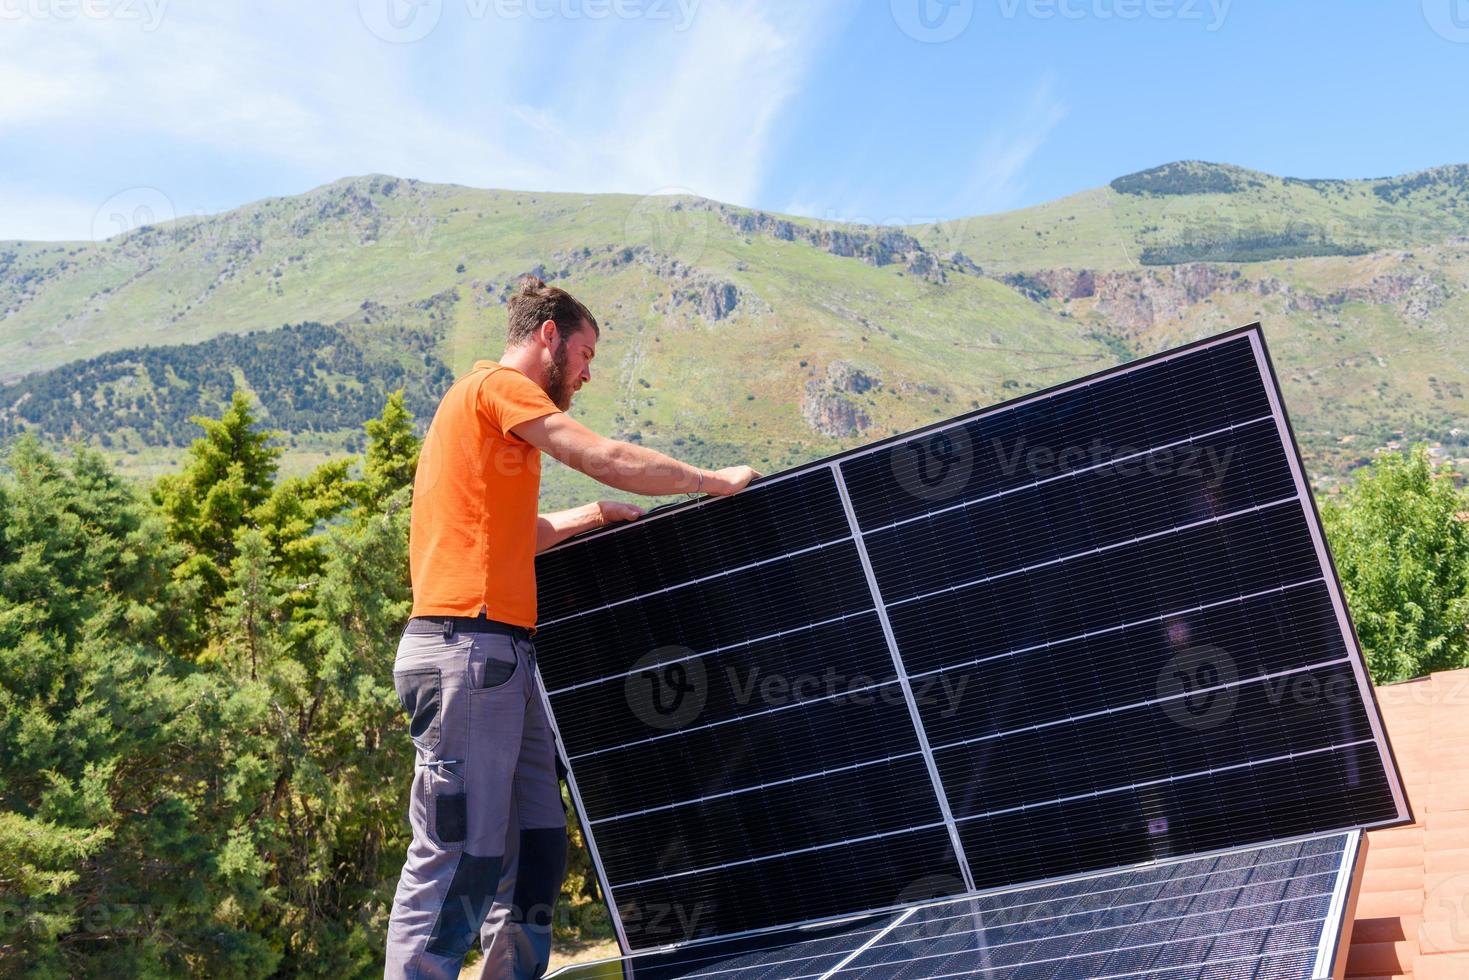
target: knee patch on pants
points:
(466, 903)
(541, 868)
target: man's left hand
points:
(615, 510)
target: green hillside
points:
(1192, 211)
(735, 335)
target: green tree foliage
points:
(203, 767)
(1401, 543)
(392, 452)
(117, 757)
(308, 378)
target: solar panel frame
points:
(1336, 939)
(880, 606)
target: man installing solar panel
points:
(489, 834)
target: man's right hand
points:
(731, 479)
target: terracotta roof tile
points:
(1379, 959)
(1412, 920)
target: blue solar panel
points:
(1272, 913)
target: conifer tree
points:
(230, 472)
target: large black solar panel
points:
(1092, 627)
(1271, 912)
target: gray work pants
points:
(489, 835)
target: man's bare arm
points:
(624, 465)
(552, 529)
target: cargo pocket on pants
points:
(448, 814)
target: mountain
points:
(738, 335)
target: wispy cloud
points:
(997, 176)
(992, 166)
(706, 121)
(306, 92)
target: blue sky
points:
(872, 110)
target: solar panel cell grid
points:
(861, 802)
(1159, 405)
(769, 747)
(703, 542)
(819, 883)
(612, 711)
(793, 592)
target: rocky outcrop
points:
(826, 406)
(848, 377)
(925, 266)
(1067, 283)
(1197, 281)
(1062, 284)
(1030, 286)
(759, 223)
(343, 206)
(831, 413)
(713, 299)
(876, 246)
(1415, 295)
(963, 263)
(1134, 302)
(707, 294)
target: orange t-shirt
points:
(472, 543)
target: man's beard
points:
(558, 385)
